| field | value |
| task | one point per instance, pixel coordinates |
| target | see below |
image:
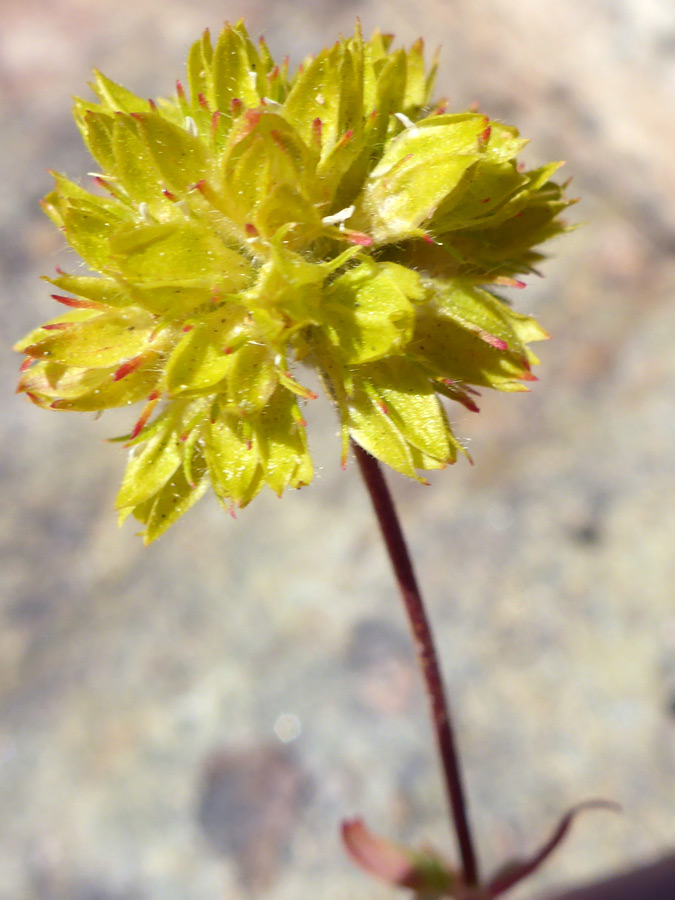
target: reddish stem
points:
(426, 655)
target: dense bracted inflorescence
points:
(336, 218)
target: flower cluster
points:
(335, 218)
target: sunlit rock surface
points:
(151, 699)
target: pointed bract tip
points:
(484, 137)
(345, 139)
(506, 281)
(358, 237)
(148, 409)
(128, 367)
(74, 302)
(470, 404)
(494, 341)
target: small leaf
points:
(284, 204)
(264, 152)
(104, 291)
(316, 95)
(87, 390)
(115, 97)
(42, 332)
(89, 232)
(483, 314)
(173, 500)
(418, 171)
(252, 378)
(482, 199)
(179, 156)
(283, 445)
(106, 339)
(415, 85)
(233, 459)
(235, 64)
(97, 131)
(371, 428)
(424, 872)
(411, 402)
(453, 352)
(203, 356)
(134, 166)
(185, 254)
(200, 60)
(516, 871)
(369, 310)
(150, 469)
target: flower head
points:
(336, 218)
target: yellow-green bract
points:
(335, 218)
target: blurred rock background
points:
(193, 720)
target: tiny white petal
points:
(191, 126)
(339, 217)
(405, 121)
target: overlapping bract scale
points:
(256, 221)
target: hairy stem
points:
(426, 655)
